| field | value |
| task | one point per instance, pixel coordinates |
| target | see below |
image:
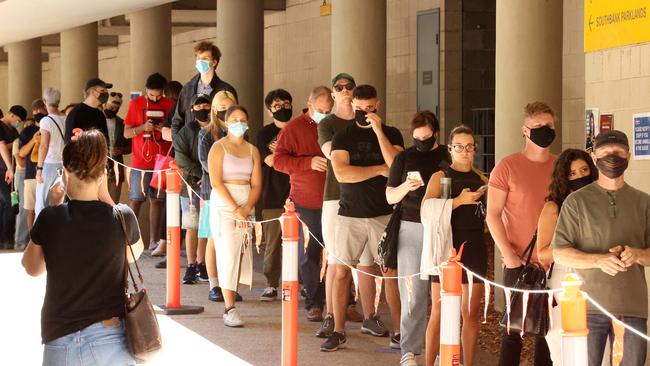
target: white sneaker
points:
(161, 249)
(232, 319)
(408, 359)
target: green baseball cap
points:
(343, 75)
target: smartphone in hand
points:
(415, 175)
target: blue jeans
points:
(310, 262)
(413, 323)
(600, 327)
(22, 233)
(95, 345)
(49, 175)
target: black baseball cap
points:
(615, 137)
(97, 82)
(201, 98)
(343, 75)
(19, 111)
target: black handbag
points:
(142, 330)
(387, 249)
(531, 277)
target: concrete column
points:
(151, 44)
(78, 61)
(240, 37)
(528, 66)
(359, 43)
(24, 71)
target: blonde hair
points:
(535, 108)
(218, 98)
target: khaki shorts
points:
(29, 195)
(357, 239)
(329, 222)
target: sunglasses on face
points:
(113, 94)
(340, 87)
(459, 148)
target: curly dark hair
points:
(559, 188)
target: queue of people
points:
(348, 173)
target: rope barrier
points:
(550, 292)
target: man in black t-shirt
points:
(8, 134)
(361, 156)
(275, 188)
(87, 115)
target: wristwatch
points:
(39, 168)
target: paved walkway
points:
(189, 339)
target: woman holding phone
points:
(408, 174)
(467, 226)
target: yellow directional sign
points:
(615, 23)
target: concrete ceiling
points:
(25, 19)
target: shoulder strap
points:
(120, 215)
(57, 127)
(528, 252)
(224, 147)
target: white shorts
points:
(29, 195)
(329, 221)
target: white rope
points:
(138, 169)
(604, 311)
(549, 291)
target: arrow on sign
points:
(590, 23)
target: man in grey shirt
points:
(603, 232)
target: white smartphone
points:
(482, 188)
(415, 175)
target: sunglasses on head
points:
(340, 87)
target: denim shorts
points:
(140, 189)
(204, 221)
(95, 345)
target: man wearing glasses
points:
(118, 146)
(361, 156)
(518, 188)
(275, 188)
(342, 85)
(299, 155)
(87, 115)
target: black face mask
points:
(109, 113)
(360, 117)
(202, 115)
(580, 182)
(612, 165)
(424, 145)
(542, 136)
(283, 114)
(103, 97)
(221, 115)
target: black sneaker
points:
(374, 326)
(202, 272)
(162, 264)
(269, 294)
(333, 342)
(394, 341)
(326, 328)
(238, 297)
(191, 275)
(215, 294)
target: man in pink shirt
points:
(299, 155)
(517, 191)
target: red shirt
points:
(297, 145)
(145, 149)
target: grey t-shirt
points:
(327, 128)
(594, 220)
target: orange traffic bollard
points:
(173, 305)
(573, 306)
(450, 303)
(290, 237)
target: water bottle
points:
(445, 186)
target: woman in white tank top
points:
(236, 179)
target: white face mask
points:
(318, 116)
